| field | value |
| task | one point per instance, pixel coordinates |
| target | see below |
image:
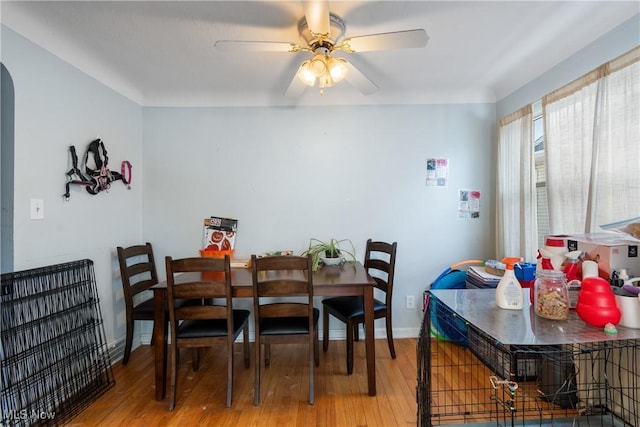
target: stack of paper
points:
(240, 263)
(477, 277)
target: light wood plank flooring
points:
(340, 400)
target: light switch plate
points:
(37, 209)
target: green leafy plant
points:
(330, 249)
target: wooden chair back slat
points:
(138, 273)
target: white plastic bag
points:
(630, 227)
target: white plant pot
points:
(332, 261)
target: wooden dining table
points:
(351, 278)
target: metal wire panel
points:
(54, 359)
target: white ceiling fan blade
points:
(255, 46)
(385, 41)
(316, 13)
(296, 87)
(359, 80)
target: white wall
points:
(289, 174)
(57, 106)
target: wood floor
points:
(340, 400)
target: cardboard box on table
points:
(220, 233)
(612, 251)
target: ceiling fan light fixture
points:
(323, 69)
(325, 81)
(305, 74)
(318, 65)
(337, 68)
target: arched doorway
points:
(7, 169)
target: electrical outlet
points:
(411, 302)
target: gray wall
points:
(346, 172)
(57, 106)
(6, 172)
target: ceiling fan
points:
(323, 33)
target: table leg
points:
(160, 344)
(370, 339)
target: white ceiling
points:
(161, 52)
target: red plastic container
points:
(597, 303)
(215, 254)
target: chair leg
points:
(178, 352)
(356, 332)
(229, 373)
(325, 329)
(172, 376)
(128, 342)
(313, 346)
(245, 347)
(153, 333)
(350, 329)
(316, 348)
(392, 349)
(257, 362)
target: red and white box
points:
(220, 233)
(612, 251)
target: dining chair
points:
(280, 315)
(204, 323)
(138, 273)
(379, 261)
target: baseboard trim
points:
(116, 352)
(334, 335)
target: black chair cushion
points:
(211, 327)
(350, 307)
(287, 325)
(144, 309)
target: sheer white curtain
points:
(592, 147)
(568, 116)
(516, 209)
(616, 188)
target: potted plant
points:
(329, 252)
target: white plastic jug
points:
(628, 301)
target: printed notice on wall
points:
(469, 204)
(437, 172)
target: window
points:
(541, 179)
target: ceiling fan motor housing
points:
(326, 41)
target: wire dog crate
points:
(54, 361)
(549, 373)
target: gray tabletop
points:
(523, 327)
